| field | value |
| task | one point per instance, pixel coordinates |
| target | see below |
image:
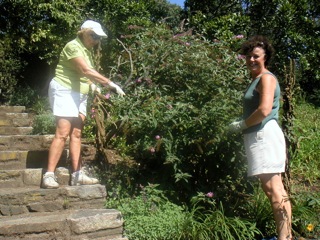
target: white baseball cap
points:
(95, 26)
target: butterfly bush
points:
(182, 91)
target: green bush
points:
(44, 124)
(181, 94)
(9, 69)
(30, 98)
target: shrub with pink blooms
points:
(179, 100)
(171, 128)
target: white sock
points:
(49, 173)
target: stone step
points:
(12, 109)
(11, 160)
(30, 177)
(25, 142)
(15, 119)
(23, 200)
(15, 130)
(84, 224)
(40, 142)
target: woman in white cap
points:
(68, 92)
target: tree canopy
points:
(41, 28)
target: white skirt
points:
(266, 150)
(65, 102)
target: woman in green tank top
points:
(263, 138)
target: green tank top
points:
(251, 102)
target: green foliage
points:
(120, 17)
(220, 27)
(150, 215)
(44, 124)
(214, 223)
(257, 209)
(218, 19)
(9, 69)
(89, 129)
(306, 214)
(305, 162)
(185, 90)
(293, 27)
(40, 27)
(30, 98)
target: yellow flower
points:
(310, 227)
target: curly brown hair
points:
(258, 41)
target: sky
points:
(178, 2)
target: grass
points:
(305, 171)
(305, 163)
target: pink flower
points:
(239, 36)
(107, 96)
(152, 150)
(92, 110)
(157, 137)
(239, 57)
(210, 194)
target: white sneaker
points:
(80, 178)
(49, 181)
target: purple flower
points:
(138, 80)
(239, 36)
(152, 150)
(239, 57)
(157, 137)
(210, 194)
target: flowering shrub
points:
(182, 92)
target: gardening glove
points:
(237, 126)
(95, 88)
(117, 88)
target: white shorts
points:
(266, 150)
(65, 102)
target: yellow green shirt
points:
(66, 74)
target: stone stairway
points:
(30, 212)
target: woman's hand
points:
(117, 89)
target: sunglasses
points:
(95, 37)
